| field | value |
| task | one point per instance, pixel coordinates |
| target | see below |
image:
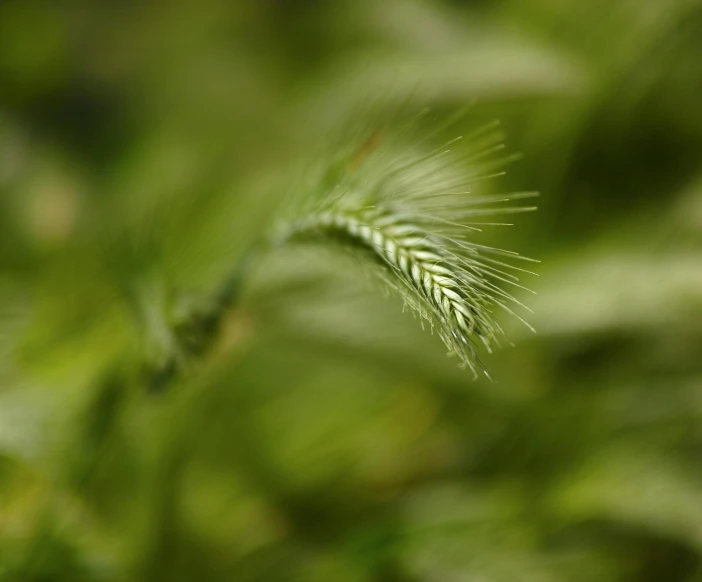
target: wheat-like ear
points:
(416, 217)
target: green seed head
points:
(416, 218)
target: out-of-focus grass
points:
(326, 437)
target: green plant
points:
(411, 216)
(324, 436)
(415, 216)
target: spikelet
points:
(415, 216)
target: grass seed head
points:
(415, 216)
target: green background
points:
(326, 437)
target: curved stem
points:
(195, 336)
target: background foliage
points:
(326, 437)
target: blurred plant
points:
(309, 430)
